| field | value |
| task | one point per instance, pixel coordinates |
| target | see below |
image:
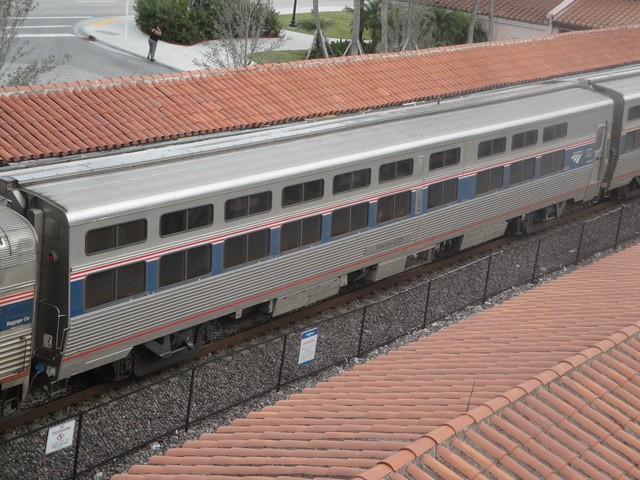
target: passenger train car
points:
(125, 261)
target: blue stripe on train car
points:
(579, 157)
(77, 300)
(16, 314)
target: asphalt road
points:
(54, 28)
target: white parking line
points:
(50, 18)
(44, 35)
(46, 26)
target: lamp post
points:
(126, 21)
(293, 23)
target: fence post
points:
(284, 350)
(188, 419)
(535, 262)
(615, 244)
(364, 316)
(486, 280)
(76, 454)
(580, 243)
(426, 305)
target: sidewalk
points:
(122, 33)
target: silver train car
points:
(141, 252)
(18, 273)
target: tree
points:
(355, 28)
(239, 26)
(319, 40)
(447, 27)
(472, 22)
(384, 27)
(490, 33)
(370, 20)
(12, 16)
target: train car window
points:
(183, 220)
(248, 205)
(346, 182)
(302, 192)
(444, 158)
(180, 266)
(395, 170)
(554, 131)
(115, 284)
(551, 163)
(524, 139)
(634, 113)
(489, 180)
(442, 193)
(632, 140)
(246, 248)
(115, 236)
(492, 147)
(300, 233)
(349, 219)
(522, 171)
(393, 206)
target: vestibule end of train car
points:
(18, 275)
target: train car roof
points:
(175, 174)
(627, 85)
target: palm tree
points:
(370, 20)
(490, 34)
(472, 22)
(319, 40)
(446, 27)
(384, 30)
(355, 28)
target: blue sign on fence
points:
(308, 342)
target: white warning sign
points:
(308, 342)
(60, 436)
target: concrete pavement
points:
(122, 33)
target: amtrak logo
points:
(577, 156)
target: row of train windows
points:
(520, 140)
(116, 236)
(496, 146)
(632, 141)
(111, 285)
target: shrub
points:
(338, 47)
(188, 21)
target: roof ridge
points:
(448, 429)
(316, 62)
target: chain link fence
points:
(133, 420)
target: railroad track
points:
(38, 412)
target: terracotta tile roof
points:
(578, 419)
(526, 11)
(599, 14)
(577, 335)
(65, 119)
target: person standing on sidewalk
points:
(153, 42)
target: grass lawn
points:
(339, 24)
(340, 27)
(279, 56)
